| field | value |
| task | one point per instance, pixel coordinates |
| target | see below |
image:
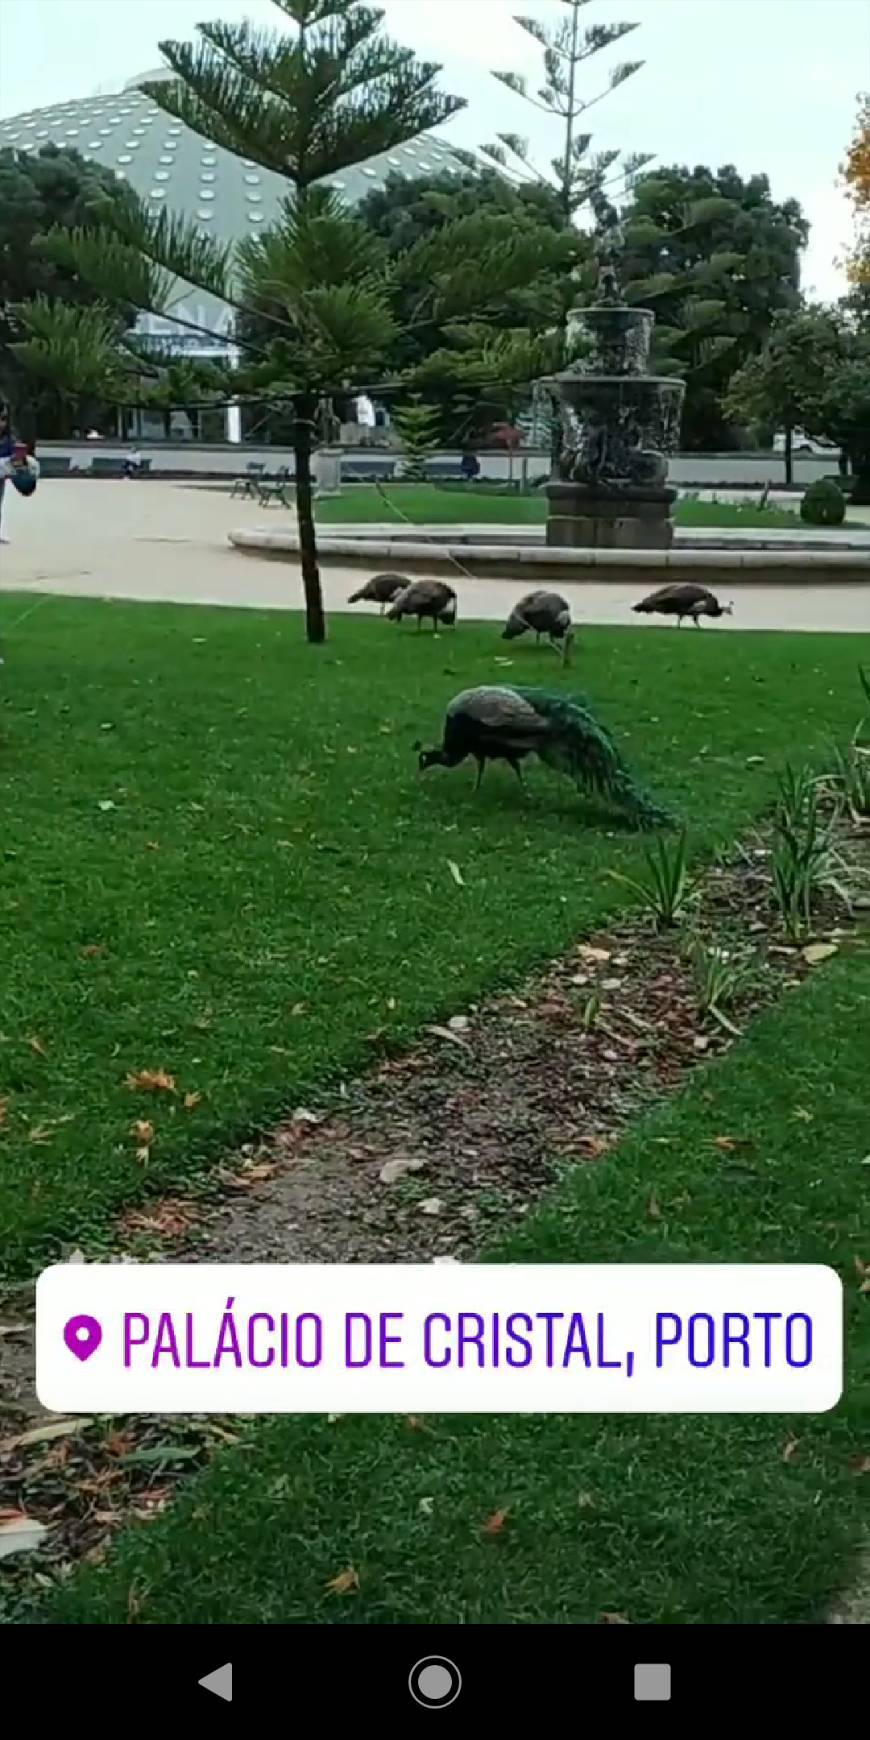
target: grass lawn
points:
(218, 859)
(694, 1520)
(423, 504)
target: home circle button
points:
(434, 1682)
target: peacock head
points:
(428, 757)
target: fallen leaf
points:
(653, 1207)
(402, 1163)
(106, 804)
(19, 1533)
(613, 1619)
(191, 1101)
(587, 952)
(859, 1464)
(152, 845)
(594, 1146)
(44, 1434)
(445, 1033)
(346, 1583)
(456, 873)
(303, 1116)
(816, 952)
(142, 1130)
(585, 1501)
(802, 1115)
(37, 1046)
(495, 1524)
(728, 1144)
(150, 1081)
(425, 1506)
(788, 1451)
(91, 951)
(297, 1009)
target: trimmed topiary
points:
(823, 503)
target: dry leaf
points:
(588, 953)
(789, 1449)
(585, 1501)
(142, 1130)
(91, 951)
(594, 1146)
(613, 1619)
(19, 1533)
(456, 873)
(425, 1506)
(654, 1208)
(446, 1033)
(859, 1464)
(37, 1046)
(346, 1583)
(191, 1101)
(816, 952)
(802, 1115)
(728, 1144)
(44, 1434)
(495, 1524)
(154, 1081)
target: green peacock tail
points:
(584, 750)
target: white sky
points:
(769, 85)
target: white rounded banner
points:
(423, 1338)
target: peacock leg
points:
(419, 623)
(481, 764)
(697, 621)
(517, 770)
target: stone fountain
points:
(619, 422)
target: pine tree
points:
(416, 425)
(578, 178)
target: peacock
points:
(381, 589)
(421, 598)
(545, 613)
(506, 724)
(683, 598)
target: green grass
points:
(272, 845)
(423, 504)
(693, 1520)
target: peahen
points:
(381, 589)
(506, 724)
(683, 598)
(433, 598)
(544, 613)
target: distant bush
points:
(823, 503)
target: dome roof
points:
(169, 165)
(173, 168)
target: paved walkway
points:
(167, 543)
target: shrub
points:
(823, 503)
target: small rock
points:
(303, 1116)
(459, 1023)
(700, 1042)
(611, 984)
(588, 953)
(432, 1205)
(610, 1056)
(816, 952)
(397, 1168)
(580, 979)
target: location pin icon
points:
(83, 1336)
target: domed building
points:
(173, 168)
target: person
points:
(132, 462)
(6, 445)
(469, 467)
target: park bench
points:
(53, 465)
(248, 485)
(276, 489)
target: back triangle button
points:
(220, 1682)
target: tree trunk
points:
(315, 621)
(787, 455)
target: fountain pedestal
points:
(581, 516)
(618, 424)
